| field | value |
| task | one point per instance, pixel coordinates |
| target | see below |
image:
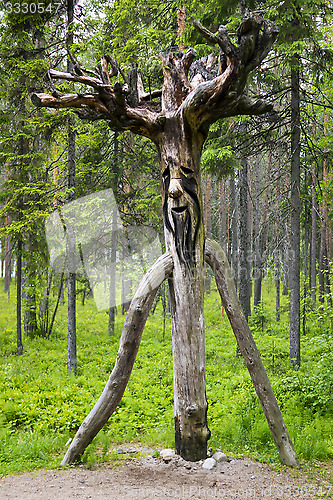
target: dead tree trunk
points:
(178, 125)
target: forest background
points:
(267, 199)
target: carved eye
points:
(186, 171)
(166, 174)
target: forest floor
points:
(141, 475)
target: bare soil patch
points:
(147, 477)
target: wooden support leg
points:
(128, 347)
(216, 258)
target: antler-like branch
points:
(86, 80)
(111, 102)
(223, 96)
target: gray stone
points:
(168, 454)
(220, 457)
(209, 463)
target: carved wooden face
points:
(181, 208)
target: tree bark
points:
(219, 263)
(128, 348)
(179, 152)
(244, 247)
(295, 202)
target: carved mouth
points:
(178, 210)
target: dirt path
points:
(150, 478)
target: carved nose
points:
(175, 189)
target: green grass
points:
(41, 408)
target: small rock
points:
(209, 452)
(188, 466)
(220, 457)
(209, 463)
(168, 454)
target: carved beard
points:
(186, 220)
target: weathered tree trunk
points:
(219, 263)
(295, 202)
(128, 348)
(179, 152)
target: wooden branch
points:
(128, 347)
(115, 67)
(146, 96)
(248, 106)
(267, 39)
(217, 260)
(188, 58)
(223, 96)
(222, 38)
(69, 101)
(86, 80)
(54, 91)
(76, 65)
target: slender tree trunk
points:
(71, 282)
(114, 243)
(313, 248)
(286, 259)
(234, 235)
(244, 247)
(29, 296)
(305, 259)
(59, 298)
(277, 288)
(2, 256)
(295, 202)
(19, 298)
(222, 216)
(257, 229)
(8, 261)
(277, 257)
